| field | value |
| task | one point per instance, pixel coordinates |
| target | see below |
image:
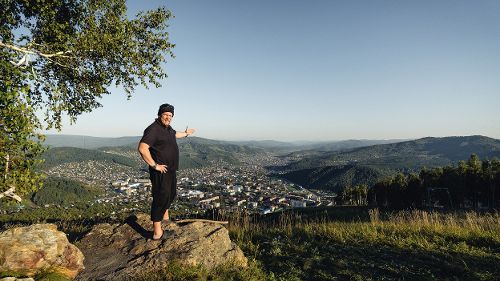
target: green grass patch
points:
(414, 245)
(178, 272)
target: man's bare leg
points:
(166, 216)
(157, 231)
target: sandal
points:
(162, 236)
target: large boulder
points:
(119, 251)
(38, 248)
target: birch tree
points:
(58, 58)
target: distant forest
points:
(470, 184)
(63, 191)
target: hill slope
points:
(198, 152)
(194, 152)
(336, 178)
(63, 191)
(407, 155)
(335, 170)
(60, 155)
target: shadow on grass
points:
(317, 258)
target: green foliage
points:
(19, 142)
(10, 273)
(61, 58)
(470, 184)
(354, 195)
(81, 48)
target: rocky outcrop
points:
(117, 252)
(38, 248)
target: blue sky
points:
(320, 70)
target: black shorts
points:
(164, 190)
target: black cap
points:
(165, 108)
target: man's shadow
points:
(132, 222)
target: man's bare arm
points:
(184, 134)
(143, 149)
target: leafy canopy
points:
(59, 58)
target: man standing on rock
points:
(158, 148)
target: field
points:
(415, 245)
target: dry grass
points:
(413, 244)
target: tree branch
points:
(10, 193)
(28, 51)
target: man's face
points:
(166, 118)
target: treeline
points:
(470, 184)
(354, 195)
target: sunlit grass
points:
(410, 245)
(177, 272)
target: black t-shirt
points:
(162, 145)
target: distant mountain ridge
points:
(412, 154)
(89, 142)
(329, 166)
(194, 152)
(334, 170)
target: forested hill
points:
(60, 155)
(336, 178)
(366, 165)
(199, 152)
(429, 152)
(194, 153)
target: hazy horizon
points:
(321, 71)
(276, 140)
